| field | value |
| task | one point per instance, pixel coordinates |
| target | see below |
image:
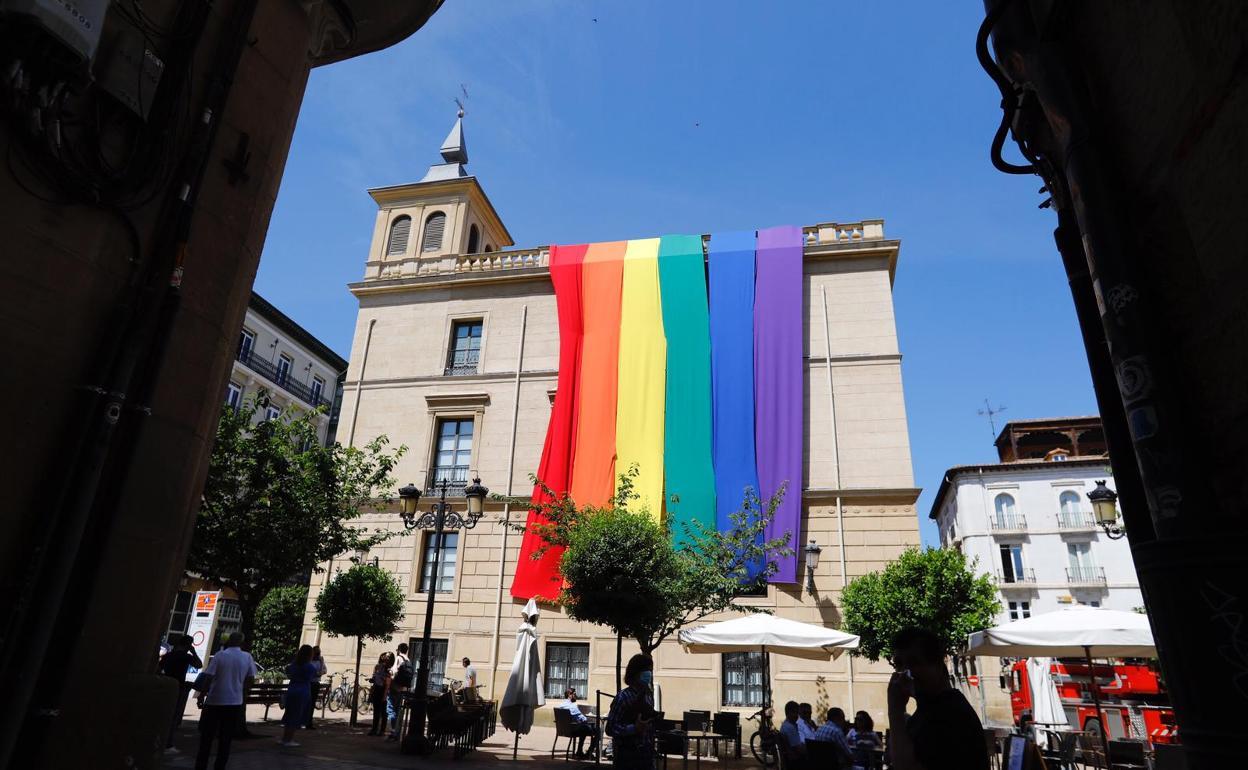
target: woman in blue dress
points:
(300, 672)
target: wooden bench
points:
(265, 694)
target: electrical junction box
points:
(76, 24)
(127, 67)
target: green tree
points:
(622, 569)
(279, 620)
(935, 589)
(277, 503)
(365, 602)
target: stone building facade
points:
(455, 355)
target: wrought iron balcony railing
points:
(462, 362)
(282, 379)
(1085, 576)
(1075, 521)
(1008, 522)
(1023, 577)
(456, 477)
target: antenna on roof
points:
(989, 412)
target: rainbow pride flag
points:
(687, 365)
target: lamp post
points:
(812, 550)
(440, 519)
(1105, 509)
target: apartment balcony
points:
(1085, 576)
(1024, 579)
(283, 380)
(461, 362)
(1013, 524)
(1076, 521)
(455, 476)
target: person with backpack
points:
(401, 679)
(175, 664)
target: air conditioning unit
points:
(76, 24)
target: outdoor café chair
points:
(1127, 755)
(564, 728)
(822, 755)
(672, 744)
(728, 724)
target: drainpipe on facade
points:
(355, 414)
(836, 460)
(511, 474)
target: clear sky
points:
(596, 121)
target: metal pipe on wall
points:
(511, 474)
(836, 463)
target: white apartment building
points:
(1027, 522)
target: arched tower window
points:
(400, 229)
(435, 226)
(474, 239)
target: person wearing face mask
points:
(630, 723)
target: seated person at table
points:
(863, 740)
(944, 732)
(581, 726)
(833, 731)
(805, 724)
(791, 741)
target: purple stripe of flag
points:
(778, 383)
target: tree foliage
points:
(277, 503)
(279, 620)
(365, 602)
(935, 589)
(622, 569)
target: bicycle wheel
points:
(366, 703)
(764, 750)
(335, 700)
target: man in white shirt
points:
(470, 682)
(791, 741)
(581, 726)
(232, 671)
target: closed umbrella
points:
(767, 633)
(1078, 631)
(524, 685)
(1046, 703)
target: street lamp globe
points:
(409, 500)
(474, 495)
(812, 555)
(1104, 504)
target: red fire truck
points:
(1133, 698)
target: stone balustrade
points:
(823, 234)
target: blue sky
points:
(595, 121)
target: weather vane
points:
(460, 104)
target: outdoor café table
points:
(697, 736)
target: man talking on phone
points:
(944, 732)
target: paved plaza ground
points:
(335, 744)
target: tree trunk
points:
(355, 691)
(619, 654)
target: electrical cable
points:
(1010, 95)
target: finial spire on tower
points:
(454, 153)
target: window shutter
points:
(435, 225)
(400, 229)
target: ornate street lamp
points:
(1105, 509)
(812, 550)
(440, 519)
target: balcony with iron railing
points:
(1075, 521)
(1085, 576)
(1024, 578)
(461, 362)
(1008, 523)
(281, 378)
(456, 477)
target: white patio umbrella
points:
(764, 633)
(1067, 633)
(524, 686)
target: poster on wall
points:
(202, 626)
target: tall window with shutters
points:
(743, 679)
(446, 564)
(400, 230)
(567, 665)
(435, 227)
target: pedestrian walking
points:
(300, 672)
(630, 723)
(401, 676)
(321, 670)
(379, 692)
(174, 665)
(229, 673)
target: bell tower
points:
(423, 227)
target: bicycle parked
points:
(763, 740)
(340, 697)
